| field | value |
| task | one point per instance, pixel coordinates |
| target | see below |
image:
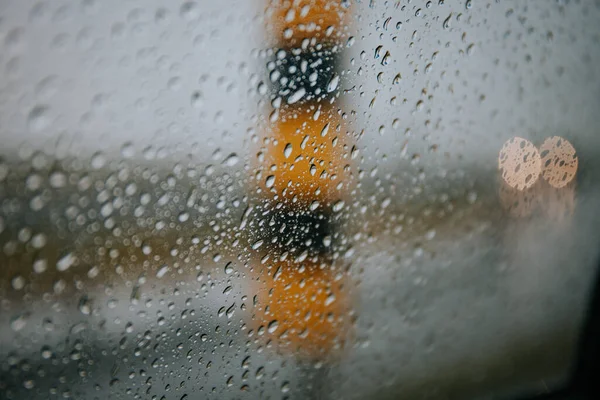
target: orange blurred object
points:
(304, 308)
(292, 21)
(307, 158)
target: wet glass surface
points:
(295, 199)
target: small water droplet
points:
(231, 160)
(127, 150)
(272, 327)
(38, 119)
(296, 96)
(98, 160)
(270, 181)
(338, 205)
(85, 306)
(287, 151)
(314, 205)
(162, 271)
(19, 321)
(446, 23)
(333, 83)
(229, 268)
(18, 282)
(40, 265)
(189, 10)
(386, 58)
(65, 262)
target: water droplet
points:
(162, 271)
(446, 23)
(386, 58)
(65, 262)
(333, 83)
(127, 150)
(85, 305)
(183, 216)
(40, 266)
(272, 327)
(18, 282)
(19, 322)
(287, 151)
(338, 205)
(270, 181)
(174, 83)
(229, 268)
(314, 205)
(230, 311)
(93, 272)
(38, 241)
(231, 160)
(196, 100)
(47, 88)
(189, 10)
(98, 160)
(38, 119)
(46, 353)
(58, 180)
(296, 96)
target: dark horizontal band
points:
(297, 231)
(303, 75)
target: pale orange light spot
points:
(519, 163)
(559, 161)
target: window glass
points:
(296, 198)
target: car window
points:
(296, 198)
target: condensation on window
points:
(254, 199)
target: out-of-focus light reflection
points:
(522, 194)
(321, 20)
(519, 203)
(558, 204)
(519, 163)
(559, 161)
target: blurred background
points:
(137, 258)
